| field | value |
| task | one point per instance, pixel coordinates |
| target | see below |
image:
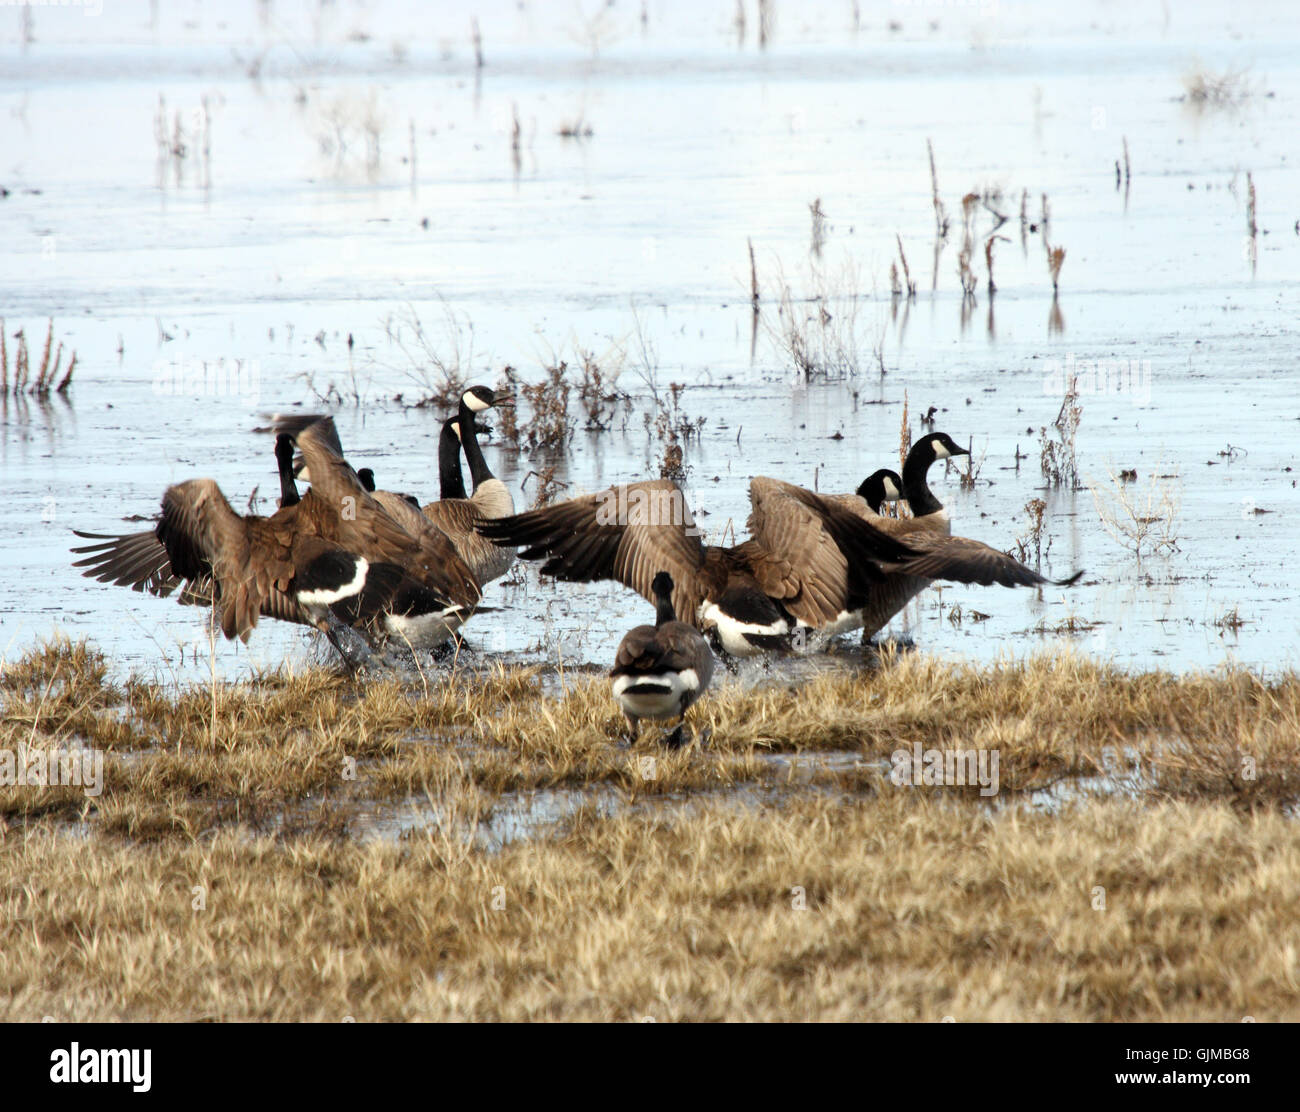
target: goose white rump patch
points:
(661, 695)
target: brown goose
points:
(939, 554)
(249, 564)
(455, 513)
(754, 595)
(660, 670)
(339, 508)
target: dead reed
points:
(940, 213)
(47, 377)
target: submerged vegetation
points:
(1140, 823)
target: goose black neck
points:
(664, 611)
(284, 457)
(478, 468)
(920, 499)
(449, 473)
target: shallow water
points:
(304, 223)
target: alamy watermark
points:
(647, 507)
(208, 378)
(985, 7)
(28, 767)
(945, 768)
(1131, 377)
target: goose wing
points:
(247, 558)
(135, 560)
(294, 423)
(628, 533)
(139, 561)
(965, 560)
(454, 516)
(817, 552)
(792, 555)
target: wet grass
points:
(175, 756)
(772, 870)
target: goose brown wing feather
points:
(135, 560)
(965, 560)
(139, 561)
(669, 648)
(628, 533)
(797, 560)
(452, 515)
(247, 558)
(637, 651)
(830, 549)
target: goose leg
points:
(350, 645)
(679, 738)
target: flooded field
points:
(232, 212)
(753, 238)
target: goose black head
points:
(662, 589)
(880, 487)
(283, 449)
(478, 398)
(367, 478)
(938, 445)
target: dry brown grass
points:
(679, 900)
(910, 910)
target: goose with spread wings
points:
(794, 572)
(940, 555)
(333, 556)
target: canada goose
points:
(454, 513)
(340, 509)
(660, 670)
(929, 531)
(252, 565)
(490, 495)
(880, 487)
(928, 513)
(755, 594)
